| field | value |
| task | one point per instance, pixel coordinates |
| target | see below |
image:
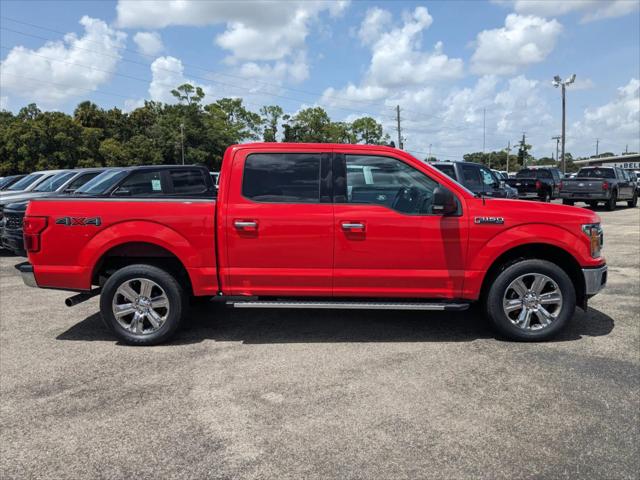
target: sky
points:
(467, 75)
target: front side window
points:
(388, 182)
(488, 180)
(282, 177)
(140, 184)
(471, 177)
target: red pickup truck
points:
(318, 226)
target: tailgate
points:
(582, 185)
(523, 184)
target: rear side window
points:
(447, 170)
(142, 183)
(282, 177)
(188, 182)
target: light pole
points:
(558, 82)
(557, 139)
(182, 140)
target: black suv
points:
(183, 181)
(477, 178)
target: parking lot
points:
(319, 394)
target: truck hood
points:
(20, 196)
(523, 211)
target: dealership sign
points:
(625, 165)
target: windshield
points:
(597, 173)
(5, 181)
(54, 182)
(102, 182)
(25, 182)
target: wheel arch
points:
(132, 252)
(538, 251)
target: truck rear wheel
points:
(567, 202)
(142, 304)
(634, 200)
(613, 200)
(531, 300)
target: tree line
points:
(159, 133)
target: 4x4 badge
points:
(78, 221)
(494, 220)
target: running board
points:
(349, 305)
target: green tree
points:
(271, 115)
(366, 130)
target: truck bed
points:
(83, 229)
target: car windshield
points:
(597, 173)
(25, 182)
(102, 182)
(4, 181)
(526, 173)
(54, 182)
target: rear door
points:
(388, 242)
(278, 224)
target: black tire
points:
(593, 204)
(500, 320)
(613, 200)
(546, 197)
(177, 301)
(634, 200)
(567, 202)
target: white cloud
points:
(131, 104)
(254, 33)
(4, 102)
(397, 59)
(167, 73)
(149, 43)
(524, 40)
(591, 9)
(618, 121)
(68, 68)
(297, 70)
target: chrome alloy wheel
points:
(140, 306)
(532, 301)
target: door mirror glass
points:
(444, 202)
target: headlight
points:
(596, 238)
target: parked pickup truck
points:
(600, 184)
(537, 183)
(477, 178)
(294, 226)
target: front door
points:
(278, 225)
(388, 242)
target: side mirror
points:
(444, 202)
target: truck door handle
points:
(242, 224)
(352, 226)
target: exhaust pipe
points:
(81, 297)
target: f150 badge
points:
(78, 221)
(493, 220)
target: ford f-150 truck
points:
(539, 183)
(294, 226)
(600, 184)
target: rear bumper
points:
(26, 271)
(584, 196)
(526, 195)
(594, 279)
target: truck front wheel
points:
(142, 304)
(531, 300)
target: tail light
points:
(605, 186)
(32, 227)
(538, 185)
(561, 185)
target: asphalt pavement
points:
(323, 394)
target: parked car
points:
(600, 184)
(294, 227)
(477, 178)
(12, 208)
(537, 183)
(6, 182)
(635, 178)
(110, 183)
(28, 183)
(501, 174)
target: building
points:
(628, 162)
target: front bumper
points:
(26, 271)
(594, 279)
(13, 241)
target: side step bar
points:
(350, 305)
